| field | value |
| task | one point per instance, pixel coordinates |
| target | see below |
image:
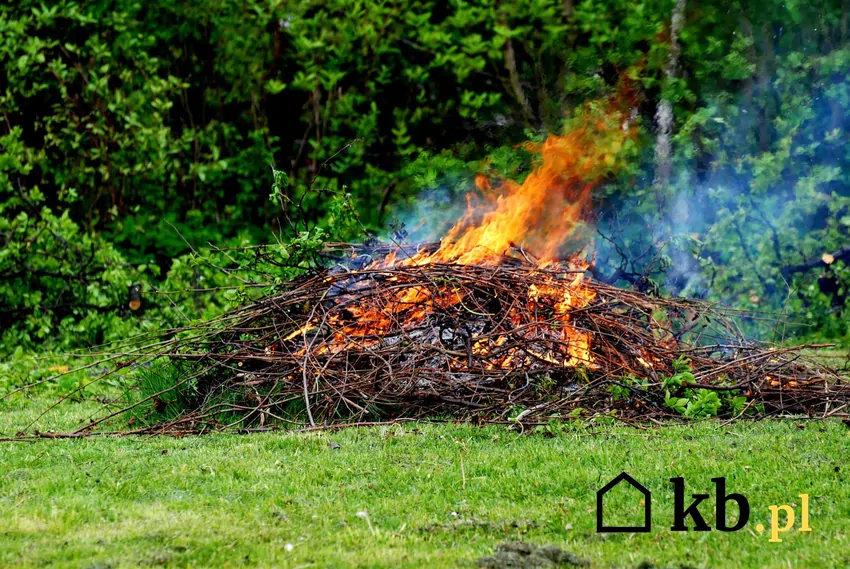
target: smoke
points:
(743, 206)
(430, 216)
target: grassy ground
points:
(417, 495)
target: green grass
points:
(435, 495)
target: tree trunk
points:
(569, 16)
(516, 84)
(764, 70)
(752, 58)
(664, 113)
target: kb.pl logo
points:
(681, 513)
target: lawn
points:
(412, 495)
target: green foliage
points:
(175, 108)
(825, 315)
(136, 142)
(696, 403)
(57, 281)
(622, 389)
(692, 403)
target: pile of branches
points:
(355, 344)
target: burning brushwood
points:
(491, 319)
(400, 337)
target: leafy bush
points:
(697, 403)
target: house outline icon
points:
(647, 507)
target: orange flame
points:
(540, 214)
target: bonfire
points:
(498, 321)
